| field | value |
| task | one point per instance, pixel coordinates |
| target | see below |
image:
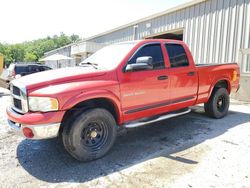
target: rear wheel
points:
(218, 104)
(91, 135)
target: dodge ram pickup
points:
(128, 84)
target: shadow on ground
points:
(48, 161)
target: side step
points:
(146, 121)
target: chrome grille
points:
(19, 97)
(17, 103)
(16, 91)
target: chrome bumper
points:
(40, 131)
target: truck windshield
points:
(109, 57)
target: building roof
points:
(168, 11)
(55, 50)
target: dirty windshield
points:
(109, 57)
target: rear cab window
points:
(177, 55)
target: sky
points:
(25, 20)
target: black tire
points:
(91, 135)
(218, 104)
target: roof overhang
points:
(168, 11)
(85, 47)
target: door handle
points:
(191, 73)
(162, 78)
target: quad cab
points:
(127, 84)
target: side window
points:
(33, 68)
(41, 68)
(46, 68)
(153, 50)
(21, 69)
(177, 55)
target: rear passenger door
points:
(184, 79)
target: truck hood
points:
(63, 75)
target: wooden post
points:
(1, 64)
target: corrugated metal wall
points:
(214, 30)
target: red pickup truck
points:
(127, 84)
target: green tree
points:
(2, 47)
(75, 38)
(30, 57)
(34, 50)
(17, 52)
(7, 55)
(62, 40)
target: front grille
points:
(16, 97)
(16, 90)
(17, 103)
(19, 97)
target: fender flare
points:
(95, 94)
(224, 78)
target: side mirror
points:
(145, 59)
(142, 63)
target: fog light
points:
(28, 132)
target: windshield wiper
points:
(92, 64)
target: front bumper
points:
(43, 125)
(40, 131)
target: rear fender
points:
(218, 80)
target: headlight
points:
(42, 104)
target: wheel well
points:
(222, 84)
(88, 104)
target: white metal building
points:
(216, 31)
(66, 51)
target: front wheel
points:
(218, 104)
(91, 135)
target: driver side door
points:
(143, 92)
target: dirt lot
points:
(188, 151)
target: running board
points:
(159, 118)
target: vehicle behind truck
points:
(18, 70)
(128, 84)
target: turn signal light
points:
(27, 132)
(234, 76)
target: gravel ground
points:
(188, 151)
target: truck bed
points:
(209, 74)
(212, 64)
